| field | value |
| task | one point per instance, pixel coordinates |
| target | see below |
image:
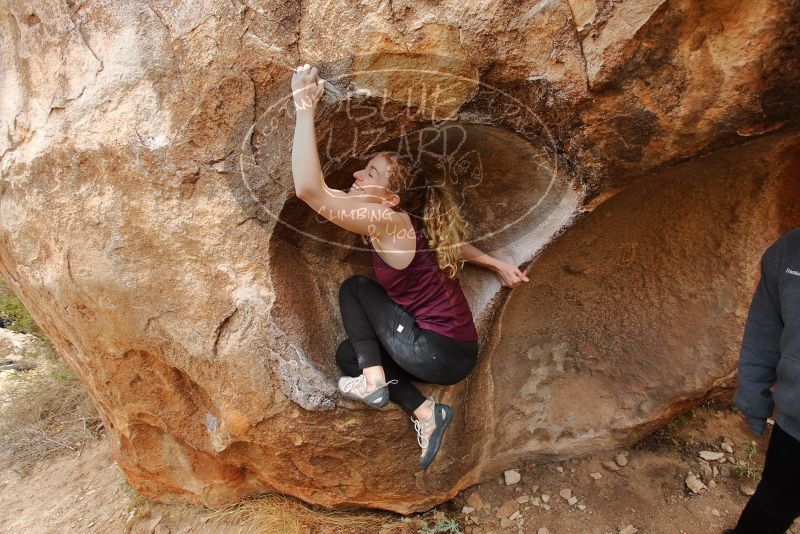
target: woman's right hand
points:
(307, 88)
(510, 275)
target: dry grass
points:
(287, 515)
(13, 314)
(278, 513)
(676, 435)
(43, 413)
(138, 506)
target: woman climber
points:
(414, 323)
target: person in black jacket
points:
(769, 379)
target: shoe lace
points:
(419, 426)
(420, 437)
(361, 382)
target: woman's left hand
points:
(510, 275)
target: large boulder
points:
(634, 157)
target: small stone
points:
(714, 470)
(611, 466)
(507, 508)
(706, 473)
(516, 515)
(581, 507)
(712, 483)
(724, 471)
(475, 500)
(565, 493)
(629, 530)
(621, 460)
(726, 447)
(560, 469)
(715, 512)
(537, 501)
(572, 500)
(694, 484)
(711, 456)
(731, 459)
(596, 476)
(545, 497)
(746, 490)
(522, 499)
(506, 523)
(546, 506)
(511, 477)
(467, 510)
(534, 488)
(543, 530)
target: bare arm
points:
(510, 275)
(306, 169)
(309, 181)
(475, 256)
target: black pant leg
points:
(455, 358)
(360, 330)
(403, 393)
(375, 324)
(776, 503)
(346, 359)
(372, 319)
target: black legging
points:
(381, 332)
(776, 502)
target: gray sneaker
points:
(431, 432)
(355, 387)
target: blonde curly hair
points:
(434, 203)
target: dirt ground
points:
(86, 492)
(649, 493)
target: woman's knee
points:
(351, 284)
(346, 355)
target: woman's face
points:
(372, 182)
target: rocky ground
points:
(645, 489)
(662, 485)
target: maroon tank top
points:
(436, 301)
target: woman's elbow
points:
(303, 193)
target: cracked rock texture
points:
(635, 157)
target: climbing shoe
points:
(355, 387)
(431, 431)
